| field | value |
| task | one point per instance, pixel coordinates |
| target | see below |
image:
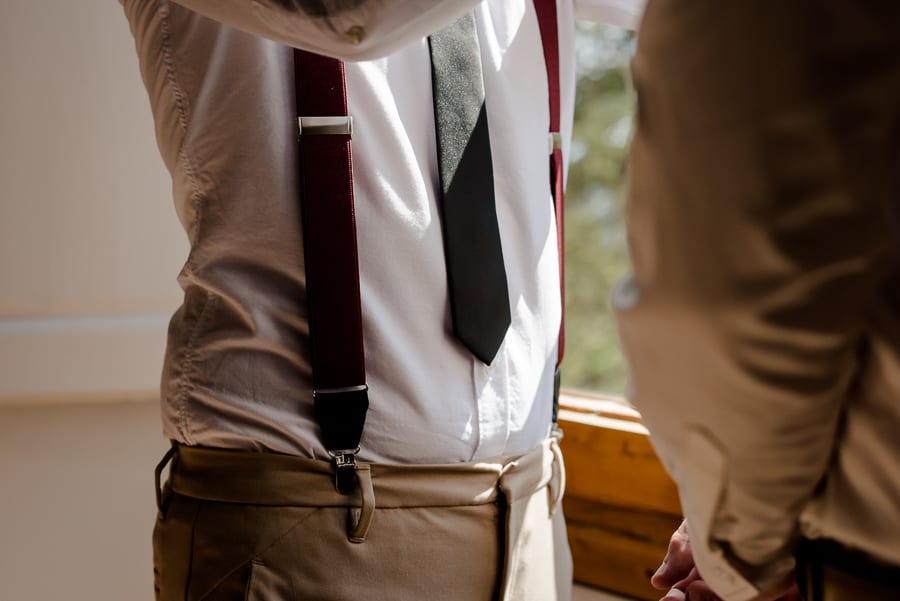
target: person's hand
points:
(679, 575)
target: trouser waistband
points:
(283, 480)
(829, 571)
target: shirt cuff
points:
(702, 486)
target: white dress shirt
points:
(237, 372)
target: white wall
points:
(89, 250)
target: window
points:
(596, 254)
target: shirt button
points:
(355, 34)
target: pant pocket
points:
(261, 584)
(254, 581)
(232, 586)
(172, 543)
(410, 554)
(234, 546)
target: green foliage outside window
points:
(596, 254)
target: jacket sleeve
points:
(761, 232)
(622, 13)
(346, 29)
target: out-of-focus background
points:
(89, 250)
(596, 252)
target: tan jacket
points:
(762, 320)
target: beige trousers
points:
(236, 526)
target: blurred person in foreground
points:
(762, 319)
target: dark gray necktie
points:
(479, 299)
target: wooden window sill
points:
(621, 507)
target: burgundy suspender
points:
(547, 21)
(332, 263)
(330, 247)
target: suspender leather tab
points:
(341, 413)
(557, 379)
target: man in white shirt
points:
(237, 376)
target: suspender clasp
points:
(344, 470)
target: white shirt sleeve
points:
(622, 13)
(346, 29)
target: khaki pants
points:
(239, 526)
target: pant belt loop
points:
(163, 493)
(558, 489)
(361, 519)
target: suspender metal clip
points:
(344, 470)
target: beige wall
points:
(89, 250)
(76, 503)
(89, 242)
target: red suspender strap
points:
(332, 263)
(547, 20)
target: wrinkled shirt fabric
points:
(237, 371)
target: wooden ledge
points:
(621, 506)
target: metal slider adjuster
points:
(344, 469)
(555, 142)
(326, 126)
